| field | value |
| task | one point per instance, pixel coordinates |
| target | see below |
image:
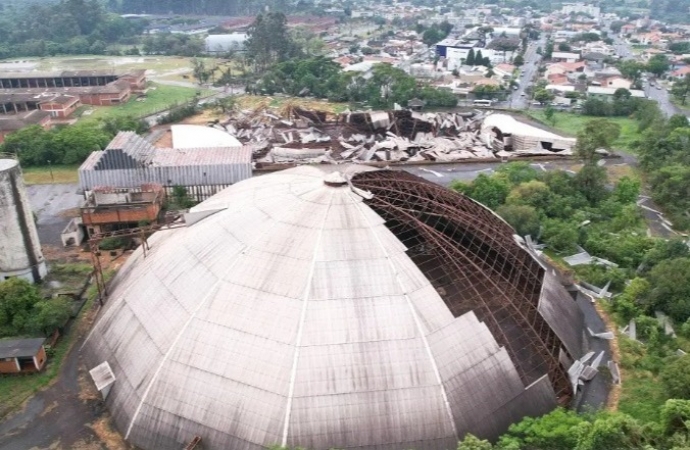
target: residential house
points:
(604, 92)
(616, 82)
(504, 71)
(567, 57)
(680, 73)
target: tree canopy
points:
(23, 312)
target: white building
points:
(581, 8)
(221, 43)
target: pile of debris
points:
(296, 135)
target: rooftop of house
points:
(24, 119)
(20, 348)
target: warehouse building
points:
(361, 309)
(130, 161)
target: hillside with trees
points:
(64, 27)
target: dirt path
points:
(67, 415)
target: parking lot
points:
(53, 206)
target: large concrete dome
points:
(301, 310)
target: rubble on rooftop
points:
(299, 136)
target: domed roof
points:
(372, 309)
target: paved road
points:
(661, 96)
(60, 417)
(529, 70)
(54, 205)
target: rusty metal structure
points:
(472, 259)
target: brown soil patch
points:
(49, 408)
(109, 437)
(87, 390)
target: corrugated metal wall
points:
(202, 175)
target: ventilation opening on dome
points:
(472, 260)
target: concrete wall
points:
(20, 249)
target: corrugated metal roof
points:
(19, 348)
(293, 316)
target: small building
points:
(567, 57)
(603, 92)
(12, 123)
(22, 355)
(60, 106)
(107, 210)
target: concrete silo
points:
(20, 249)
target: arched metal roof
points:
(297, 312)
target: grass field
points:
(15, 390)
(42, 175)
(159, 97)
(571, 124)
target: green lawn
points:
(159, 97)
(51, 175)
(572, 123)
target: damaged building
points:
(302, 307)
(110, 209)
(130, 161)
(308, 137)
(507, 136)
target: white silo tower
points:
(20, 249)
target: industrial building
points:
(508, 136)
(130, 161)
(20, 249)
(365, 308)
(107, 210)
(12, 123)
(26, 91)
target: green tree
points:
(631, 69)
(560, 236)
(627, 190)
(591, 182)
(49, 315)
(519, 60)
(681, 89)
(550, 115)
(676, 378)
(470, 58)
(554, 431)
(471, 442)
(478, 58)
(658, 64)
(490, 191)
(630, 303)
(525, 219)
(670, 292)
(17, 299)
(518, 172)
(596, 134)
(543, 96)
(114, 124)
